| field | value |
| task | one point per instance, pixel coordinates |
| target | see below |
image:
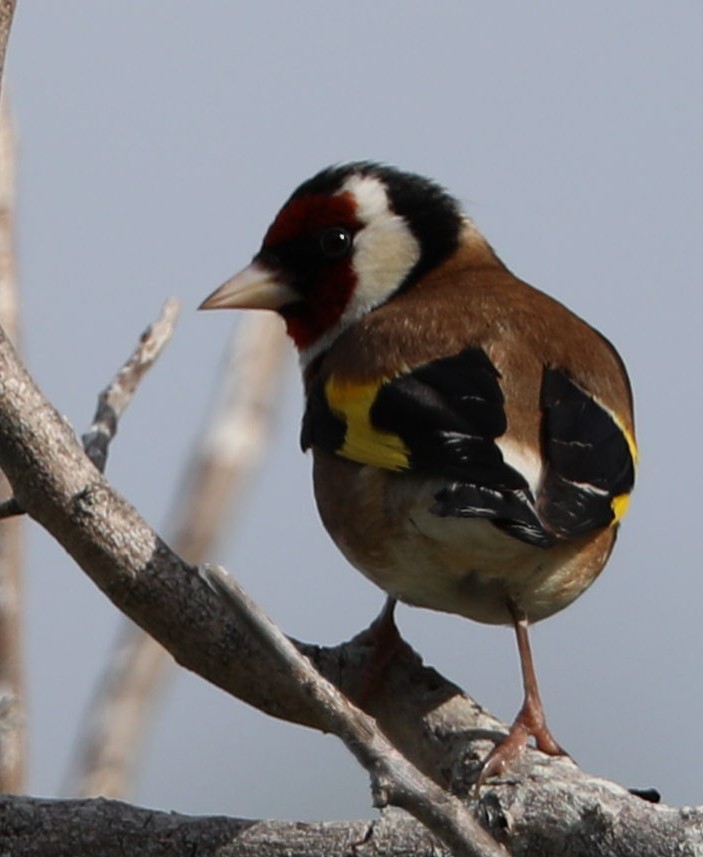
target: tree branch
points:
(602, 822)
(12, 708)
(41, 828)
(220, 471)
(395, 781)
(114, 399)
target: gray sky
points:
(157, 142)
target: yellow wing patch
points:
(619, 506)
(351, 402)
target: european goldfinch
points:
(472, 439)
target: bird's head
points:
(345, 242)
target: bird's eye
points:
(335, 242)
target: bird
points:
(472, 439)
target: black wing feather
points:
(589, 461)
(449, 413)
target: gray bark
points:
(557, 820)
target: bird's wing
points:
(590, 457)
(442, 419)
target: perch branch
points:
(33, 827)
(395, 781)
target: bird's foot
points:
(529, 723)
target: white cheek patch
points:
(385, 250)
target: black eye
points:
(335, 242)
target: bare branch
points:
(395, 781)
(12, 711)
(228, 454)
(37, 828)
(115, 398)
(591, 825)
(112, 543)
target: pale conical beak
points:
(255, 287)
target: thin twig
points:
(395, 781)
(231, 447)
(115, 398)
(12, 707)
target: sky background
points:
(157, 141)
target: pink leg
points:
(530, 722)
